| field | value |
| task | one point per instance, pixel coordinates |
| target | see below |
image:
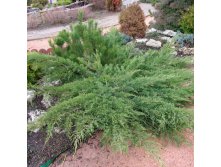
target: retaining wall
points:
(58, 15)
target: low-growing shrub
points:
(184, 40)
(169, 13)
(132, 21)
(34, 73)
(128, 98)
(128, 103)
(187, 21)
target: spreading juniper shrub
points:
(129, 98)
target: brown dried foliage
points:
(132, 21)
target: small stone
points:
(53, 83)
(141, 40)
(36, 130)
(33, 115)
(57, 130)
(169, 33)
(168, 39)
(56, 83)
(30, 95)
(152, 30)
(153, 43)
(174, 53)
(186, 51)
(46, 101)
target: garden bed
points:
(102, 85)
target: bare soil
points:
(90, 154)
(40, 152)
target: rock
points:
(174, 53)
(169, 33)
(153, 43)
(33, 115)
(36, 130)
(152, 30)
(46, 101)
(56, 83)
(58, 130)
(30, 95)
(53, 83)
(186, 51)
(141, 40)
(168, 39)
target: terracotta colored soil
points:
(90, 154)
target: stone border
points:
(57, 15)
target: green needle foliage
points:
(130, 99)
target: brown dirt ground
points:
(90, 154)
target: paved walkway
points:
(104, 20)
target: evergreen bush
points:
(129, 99)
(132, 21)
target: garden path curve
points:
(103, 18)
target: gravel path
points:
(103, 18)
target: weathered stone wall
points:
(57, 15)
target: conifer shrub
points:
(169, 13)
(81, 53)
(132, 21)
(34, 74)
(187, 21)
(85, 42)
(129, 102)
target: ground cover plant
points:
(108, 87)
